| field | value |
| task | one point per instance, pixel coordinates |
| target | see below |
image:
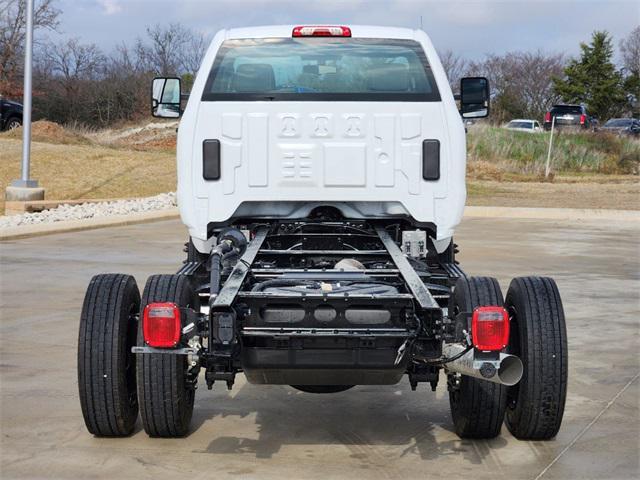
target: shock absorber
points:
(230, 240)
(222, 323)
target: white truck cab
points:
(283, 119)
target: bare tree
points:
(162, 51)
(69, 72)
(73, 61)
(194, 51)
(455, 67)
(123, 92)
(12, 36)
(630, 49)
(83, 85)
(536, 71)
(171, 50)
(521, 82)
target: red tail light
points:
(490, 328)
(583, 119)
(321, 31)
(161, 325)
(547, 117)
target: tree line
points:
(77, 82)
(526, 84)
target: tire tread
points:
(104, 398)
(541, 394)
(165, 404)
(481, 406)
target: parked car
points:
(623, 126)
(10, 114)
(321, 176)
(569, 116)
(521, 125)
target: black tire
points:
(477, 406)
(535, 405)
(106, 366)
(165, 396)
(323, 388)
(13, 123)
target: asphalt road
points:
(274, 431)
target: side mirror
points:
(165, 98)
(474, 97)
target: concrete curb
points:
(553, 213)
(27, 231)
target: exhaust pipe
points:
(507, 370)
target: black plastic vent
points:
(431, 159)
(211, 159)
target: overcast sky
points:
(471, 28)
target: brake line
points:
(445, 360)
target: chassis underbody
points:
(322, 304)
(283, 310)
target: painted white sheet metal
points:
(282, 158)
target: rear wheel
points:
(13, 123)
(165, 389)
(477, 406)
(535, 405)
(106, 366)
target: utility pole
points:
(26, 189)
(547, 168)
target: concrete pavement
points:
(273, 431)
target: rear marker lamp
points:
(321, 31)
(161, 325)
(583, 119)
(490, 328)
(547, 117)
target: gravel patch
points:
(132, 136)
(163, 201)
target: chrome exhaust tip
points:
(511, 369)
(506, 370)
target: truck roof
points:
(357, 31)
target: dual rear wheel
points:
(114, 384)
(533, 408)
(158, 385)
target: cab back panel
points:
(281, 158)
(320, 152)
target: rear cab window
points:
(520, 124)
(566, 110)
(321, 69)
(619, 122)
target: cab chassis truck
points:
(321, 176)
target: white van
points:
(321, 177)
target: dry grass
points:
(623, 194)
(73, 162)
(50, 132)
(71, 171)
